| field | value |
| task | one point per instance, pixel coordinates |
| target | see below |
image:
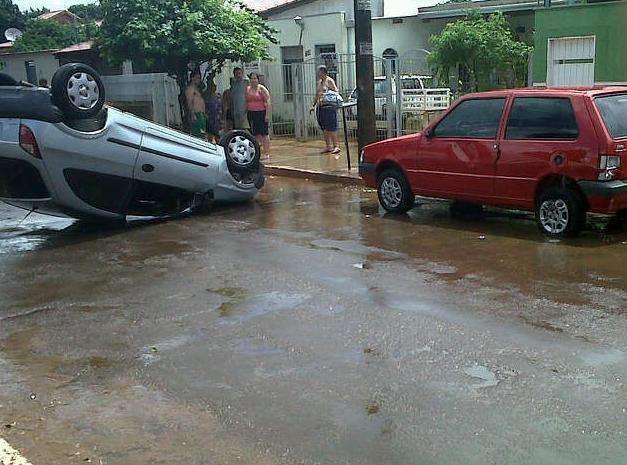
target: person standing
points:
(213, 105)
(227, 110)
(259, 106)
(326, 115)
(238, 99)
(196, 106)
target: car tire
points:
(93, 124)
(77, 91)
(560, 212)
(394, 191)
(242, 151)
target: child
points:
(213, 106)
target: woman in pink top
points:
(259, 107)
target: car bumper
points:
(368, 172)
(605, 196)
(231, 190)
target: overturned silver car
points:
(64, 153)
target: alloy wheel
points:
(242, 150)
(554, 216)
(391, 192)
(82, 90)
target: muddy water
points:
(307, 327)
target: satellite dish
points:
(12, 34)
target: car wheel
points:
(78, 91)
(394, 192)
(560, 213)
(242, 150)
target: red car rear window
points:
(613, 109)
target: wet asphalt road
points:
(308, 328)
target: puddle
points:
(230, 292)
(604, 358)
(482, 373)
(253, 307)
(542, 324)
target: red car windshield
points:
(613, 109)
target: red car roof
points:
(557, 91)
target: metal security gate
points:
(570, 61)
(406, 98)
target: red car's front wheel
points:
(394, 191)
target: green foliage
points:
(170, 34)
(175, 35)
(87, 11)
(33, 13)
(42, 34)
(10, 16)
(483, 49)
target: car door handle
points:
(148, 168)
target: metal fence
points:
(406, 98)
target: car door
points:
(84, 162)
(542, 136)
(457, 158)
(172, 159)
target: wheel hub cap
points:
(82, 91)
(554, 216)
(391, 192)
(241, 150)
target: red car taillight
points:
(28, 141)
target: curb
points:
(313, 175)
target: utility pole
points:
(366, 122)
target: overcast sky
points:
(50, 4)
(393, 7)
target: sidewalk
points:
(290, 157)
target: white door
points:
(570, 61)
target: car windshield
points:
(613, 109)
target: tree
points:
(43, 34)
(34, 13)
(87, 11)
(484, 50)
(174, 36)
(10, 16)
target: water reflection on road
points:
(307, 327)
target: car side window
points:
(542, 118)
(476, 119)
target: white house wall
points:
(407, 38)
(326, 6)
(14, 65)
(318, 30)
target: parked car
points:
(417, 96)
(62, 152)
(558, 152)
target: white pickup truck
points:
(417, 97)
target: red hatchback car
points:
(558, 152)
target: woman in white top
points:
(326, 115)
